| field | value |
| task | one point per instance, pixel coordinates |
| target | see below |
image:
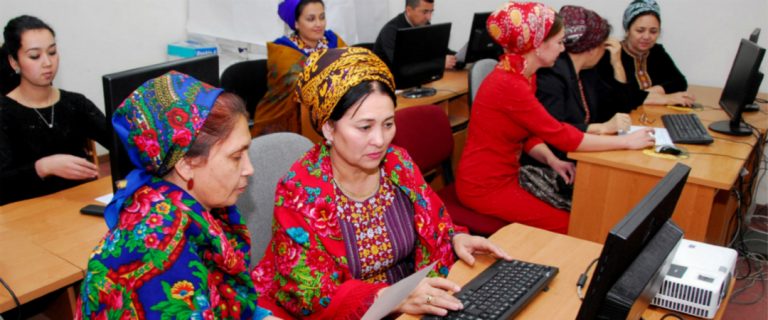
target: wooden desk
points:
(570, 255)
(46, 242)
(609, 184)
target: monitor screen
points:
(628, 238)
(480, 44)
(117, 87)
(738, 89)
(419, 55)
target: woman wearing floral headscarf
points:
(176, 248)
(650, 71)
(507, 119)
(277, 110)
(354, 214)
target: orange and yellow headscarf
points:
(329, 74)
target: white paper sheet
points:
(661, 134)
(105, 199)
(395, 294)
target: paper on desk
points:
(661, 135)
(105, 199)
(395, 294)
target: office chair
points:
(247, 79)
(477, 74)
(271, 155)
(425, 132)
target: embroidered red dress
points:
(306, 269)
(507, 119)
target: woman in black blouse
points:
(44, 131)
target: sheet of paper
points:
(395, 294)
(661, 134)
(105, 199)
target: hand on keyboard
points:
(432, 296)
(466, 246)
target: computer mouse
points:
(668, 149)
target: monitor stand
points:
(727, 127)
(419, 92)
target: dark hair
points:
(557, 25)
(12, 37)
(416, 3)
(226, 111)
(302, 4)
(629, 25)
(355, 96)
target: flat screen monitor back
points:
(754, 35)
(118, 86)
(480, 44)
(739, 88)
(419, 55)
(629, 237)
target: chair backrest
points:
(271, 155)
(477, 74)
(425, 132)
(247, 79)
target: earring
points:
(328, 143)
(17, 71)
(190, 184)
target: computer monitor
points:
(480, 44)
(419, 57)
(739, 89)
(627, 242)
(118, 86)
(754, 35)
(751, 107)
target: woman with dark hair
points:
(650, 71)
(507, 120)
(354, 214)
(44, 131)
(277, 111)
(177, 247)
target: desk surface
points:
(45, 242)
(570, 255)
(453, 84)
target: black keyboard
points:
(502, 290)
(686, 128)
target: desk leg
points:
(63, 306)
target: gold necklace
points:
(354, 195)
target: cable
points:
(13, 295)
(583, 280)
(734, 141)
(717, 154)
(671, 315)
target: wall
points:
(701, 35)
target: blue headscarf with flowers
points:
(639, 7)
(157, 124)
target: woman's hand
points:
(639, 139)
(682, 98)
(431, 296)
(656, 89)
(66, 166)
(466, 245)
(564, 169)
(614, 49)
(618, 123)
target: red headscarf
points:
(520, 27)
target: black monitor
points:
(118, 86)
(480, 44)
(756, 85)
(740, 89)
(419, 57)
(754, 35)
(634, 241)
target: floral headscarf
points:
(639, 7)
(287, 12)
(584, 29)
(520, 27)
(157, 124)
(329, 74)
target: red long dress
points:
(506, 120)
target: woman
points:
(650, 71)
(44, 131)
(177, 248)
(508, 119)
(572, 91)
(277, 110)
(354, 214)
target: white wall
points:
(701, 35)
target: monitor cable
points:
(583, 280)
(13, 295)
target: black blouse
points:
(25, 138)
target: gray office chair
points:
(271, 155)
(477, 74)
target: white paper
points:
(395, 294)
(661, 135)
(105, 199)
